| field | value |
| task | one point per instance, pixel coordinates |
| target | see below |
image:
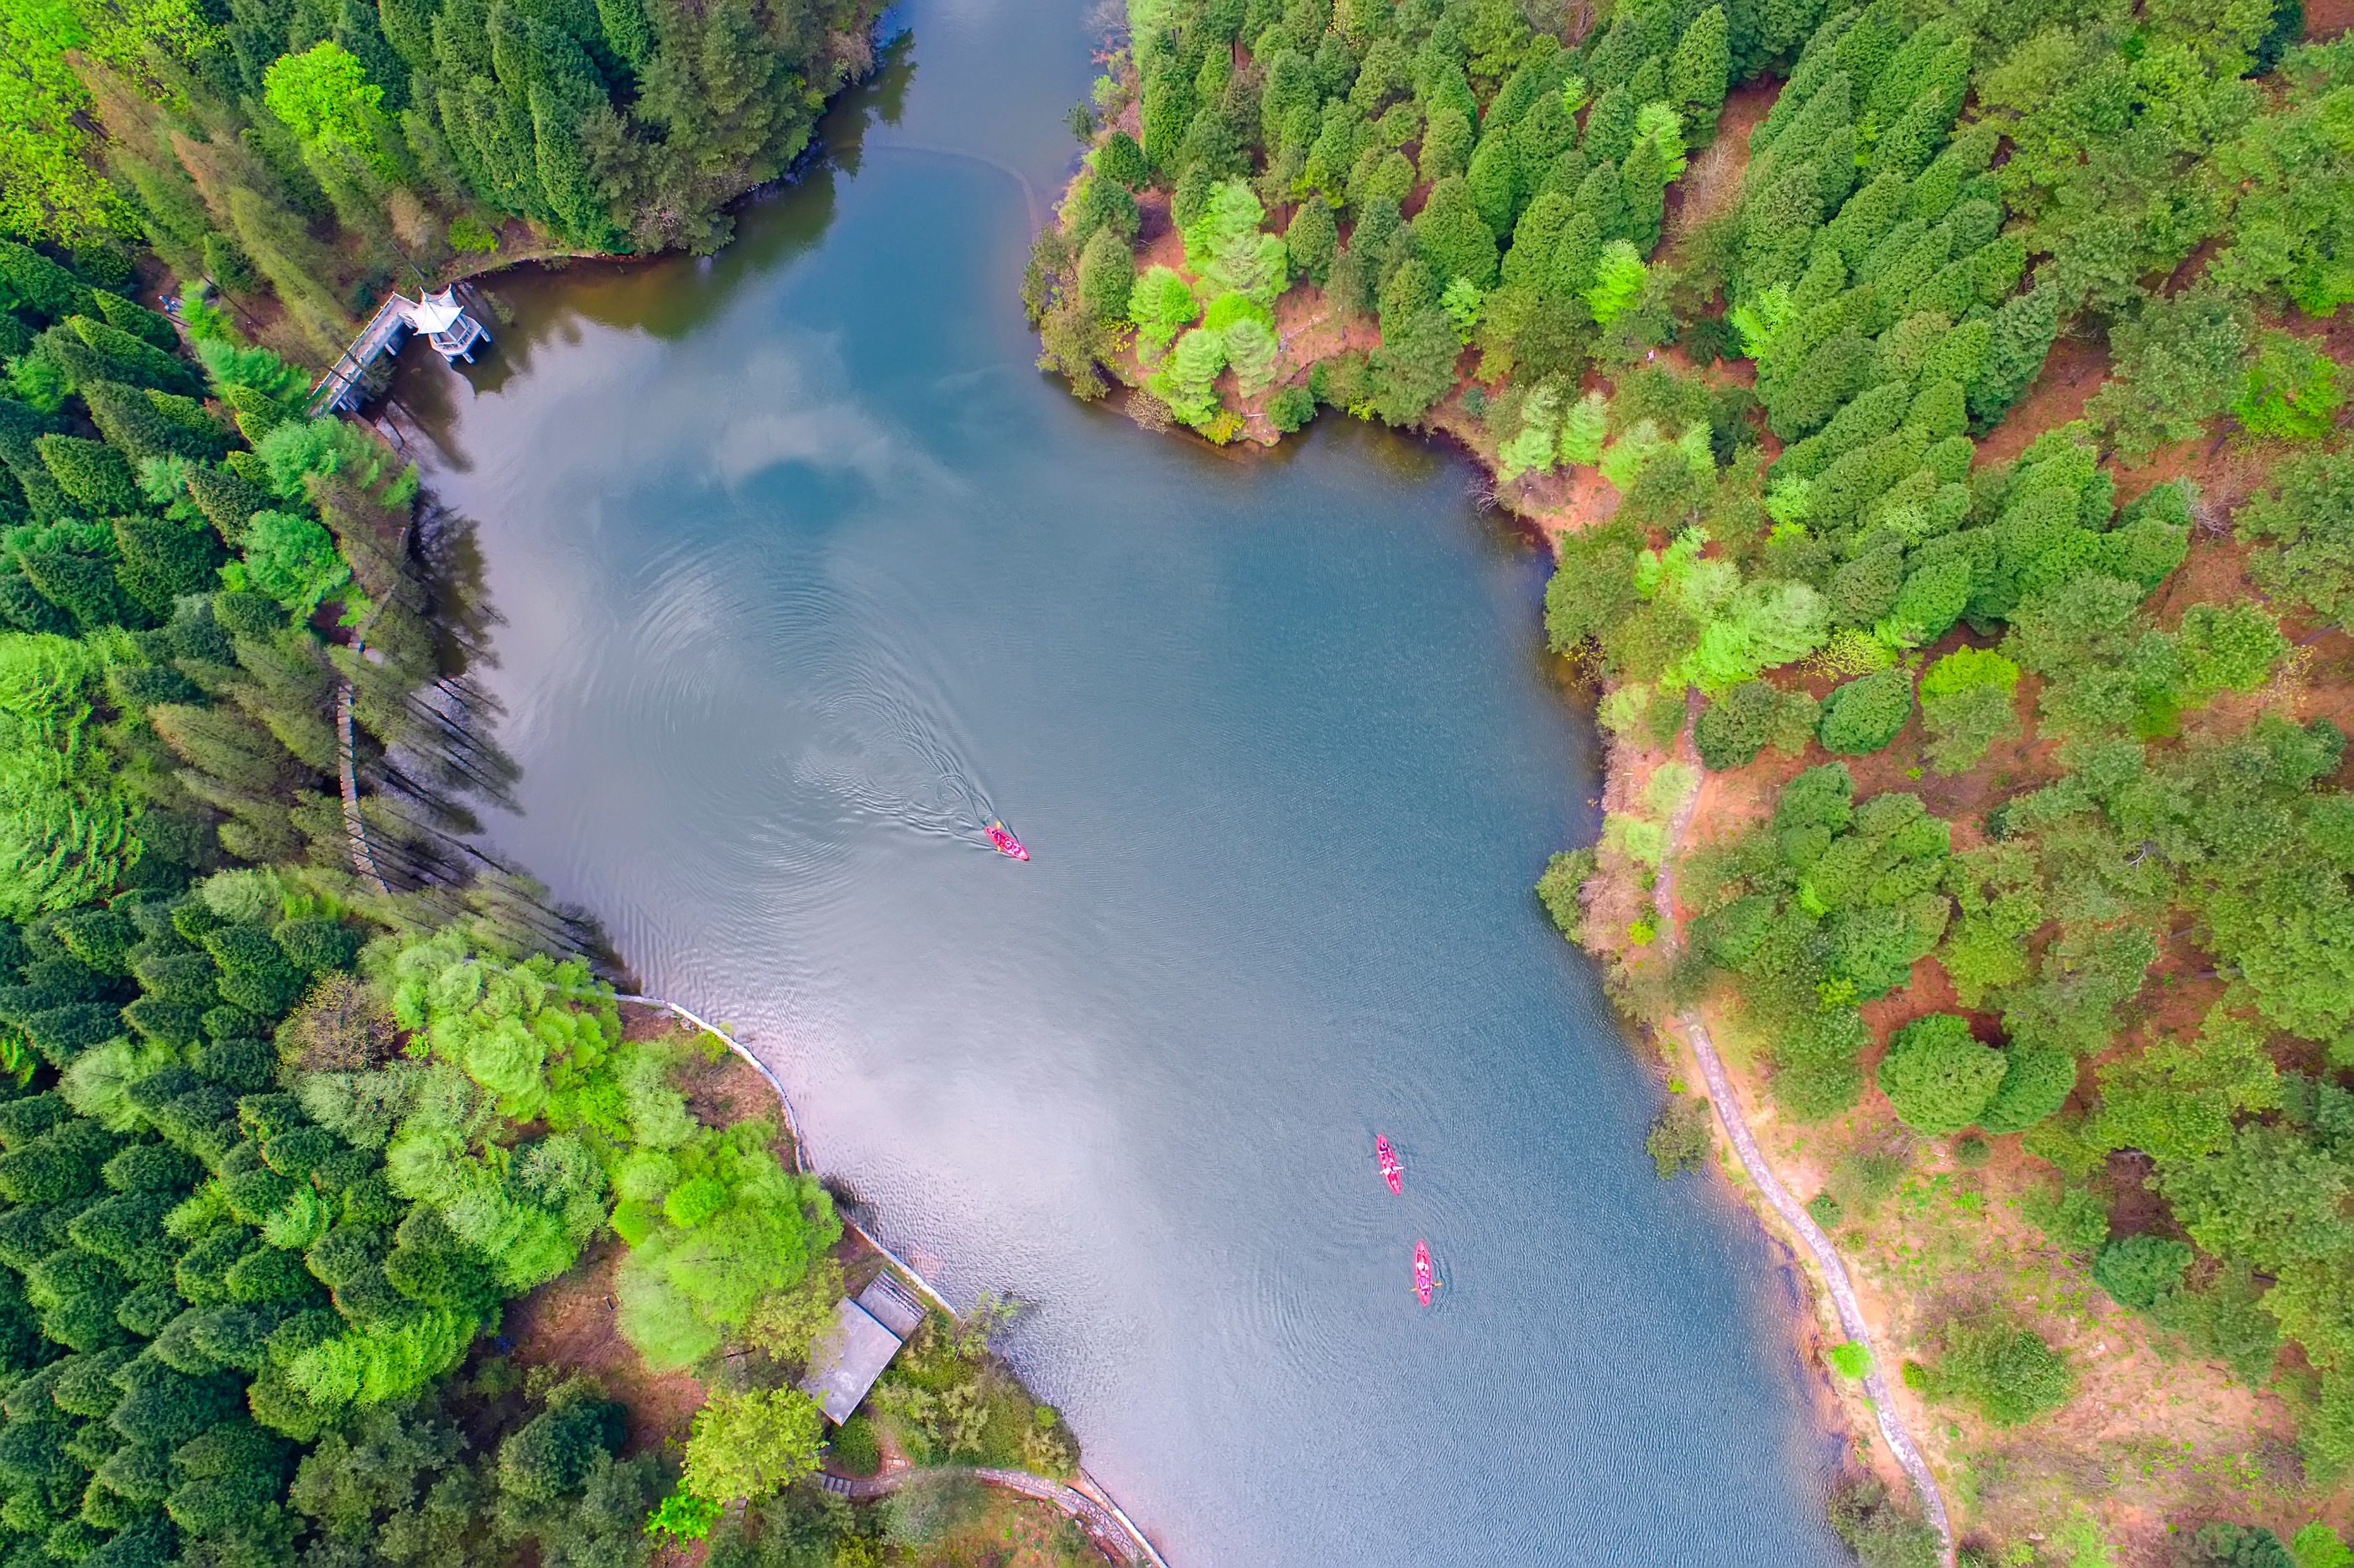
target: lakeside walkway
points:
(1778, 1197)
(1096, 1512)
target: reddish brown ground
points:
(2072, 373)
(568, 1323)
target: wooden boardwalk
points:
(334, 392)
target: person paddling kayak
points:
(1001, 838)
(1392, 1171)
(1422, 1276)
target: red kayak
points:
(1391, 1170)
(1422, 1279)
(1001, 838)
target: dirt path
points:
(1793, 1213)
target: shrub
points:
(2036, 1082)
(1939, 1078)
(1863, 716)
(2004, 1370)
(853, 1446)
(1966, 706)
(2141, 1271)
(1880, 1534)
(2291, 391)
(2225, 1546)
(747, 1444)
(1678, 1140)
(926, 1512)
(2075, 1218)
(1732, 729)
(555, 1452)
(342, 1027)
(1557, 889)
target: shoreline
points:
(1080, 1498)
(1846, 1409)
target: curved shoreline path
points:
(1793, 1213)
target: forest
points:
(301, 157)
(1933, 408)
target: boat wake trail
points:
(878, 748)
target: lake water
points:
(802, 570)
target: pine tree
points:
(1544, 134)
(1782, 26)
(1410, 291)
(1534, 237)
(1918, 136)
(138, 428)
(1599, 199)
(1700, 68)
(1289, 82)
(1649, 83)
(51, 291)
(1446, 143)
(357, 30)
(228, 502)
(1312, 241)
(408, 27)
(627, 32)
(81, 584)
(158, 561)
(92, 474)
(22, 607)
(1610, 125)
(1643, 188)
(1620, 52)
(136, 319)
(224, 746)
(2024, 329)
(1576, 255)
(1452, 234)
(19, 427)
(128, 358)
(1122, 161)
(1494, 183)
(284, 255)
(564, 171)
(1106, 273)
(77, 365)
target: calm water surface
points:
(803, 570)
